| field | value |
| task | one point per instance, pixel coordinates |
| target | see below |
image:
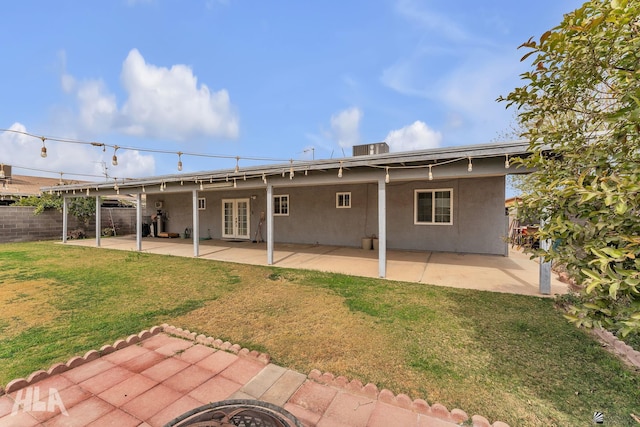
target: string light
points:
(201, 186)
(506, 161)
(430, 174)
(470, 167)
(179, 161)
(291, 169)
(237, 169)
(114, 159)
(340, 170)
(386, 177)
(264, 178)
(43, 151)
(162, 186)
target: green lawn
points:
(507, 357)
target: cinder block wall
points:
(19, 224)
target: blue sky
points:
(255, 79)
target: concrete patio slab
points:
(516, 273)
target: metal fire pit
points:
(236, 413)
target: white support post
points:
(196, 225)
(270, 224)
(98, 221)
(139, 222)
(382, 228)
(65, 225)
(545, 268)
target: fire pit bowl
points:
(236, 413)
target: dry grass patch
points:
(300, 327)
(25, 305)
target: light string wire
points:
(201, 179)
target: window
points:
(281, 205)
(202, 203)
(343, 200)
(433, 206)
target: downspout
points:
(98, 221)
(269, 224)
(382, 228)
(65, 226)
(139, 222)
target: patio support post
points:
(269, 224)
(196, 225)
(98, 220)
(545, 267)
(139, 222)
(382, 228)
(65, 225)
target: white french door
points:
(235, 219)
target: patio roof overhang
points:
(449, 162)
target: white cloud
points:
(168, 103)
(98, 108)
(165, 103)
(417, 136)
(345, 127)
(431, 21)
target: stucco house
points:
(446, 199)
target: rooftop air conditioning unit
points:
(370, 149)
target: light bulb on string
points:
(470, 167)
(430, 174)
(340, 171)
(43, 151)
(179, 161)
(506, 161)
(291, 169)
(201, 185)
(237, 169)
(264, 179)
(386, 177)
(114, 159)
(143, 189)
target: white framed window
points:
(281, 205)
(433, 207)
(202, 203)
(343, 200)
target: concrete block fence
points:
(19, 224)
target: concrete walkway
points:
(151, 378)
(516, 274)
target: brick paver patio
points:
(151, 378)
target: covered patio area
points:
(515, 273)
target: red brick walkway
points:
(151, 378)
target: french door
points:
(235, 219)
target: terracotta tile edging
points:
(457, 416)
(76, 361)
(217, 343)
(618, 347)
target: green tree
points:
(83, 208)
(580, 110)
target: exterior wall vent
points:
(370, 149)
